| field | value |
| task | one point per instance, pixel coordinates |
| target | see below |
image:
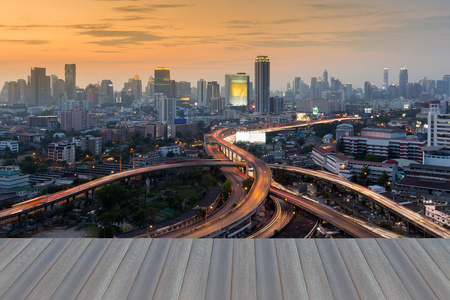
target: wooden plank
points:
(316, 280)
(11, 250)
(20, 288)
(147, 279)
(171, 279)
(338, 276)
(105, 269)
(123, 279)
(80, 272)
(438, 253)
(268, 284)
(197, 270)
(360, 272)
(58, 271)
(291, 273)
(4, 242)
(243, 279)
(445, 243)
(429, 271)
(381, 268)
(21, 262)
(411, 278)
(219, 278)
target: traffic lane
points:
(328, 215)
(388, 203)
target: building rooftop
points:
(229, 269)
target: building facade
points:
(262, 84)
(62, 152)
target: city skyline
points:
(207, 39)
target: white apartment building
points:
(63, 152)
(12, 145)
(163, 151)
(438, 127)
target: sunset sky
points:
(114, 39)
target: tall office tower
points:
(297, 87)
(183, 90)
(93, 94)
(166, 108)
(59, 89)
(325, 83)
(22, 90)
(368, 93)
(403, 82)
(313, 91)
(53, 78)
(237, 90)
(134, 87)
(13, 92)
(446, 84)
(212, 91)
(173, 89)
(71, 80)
(276, 104)
(40, 87)
(150, 88)
(106, 91)
(385, 78)
(262, 84)
(162, 81)
(201, 93)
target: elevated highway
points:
(412, 217)
(48, 200)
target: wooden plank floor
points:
(224, 269)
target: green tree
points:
(39, 217)
(227, 188)
(209, 180)
(110, 195)
(106, 218)
(383, 178)
(363, 175)
(308, 148)
(247, 184)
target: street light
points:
(149, 229)
(207, 213)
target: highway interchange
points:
(256, 195)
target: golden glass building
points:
(237, 89)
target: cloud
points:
(26, 42)
(148, 8)
(129, 18)
(336, 6)
(74, 26)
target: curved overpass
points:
(46, 200)
(387, 203)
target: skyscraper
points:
(162, 81)
(150, 88)
(40, 87)
(134, 87)
(106, 91)
(212, 91)
(385, 78)
(313, 91)
(262, 84)
(166, 108)
(237, 89)
(325, 83)
(71, 83)
(297, 86)
(403, 82)
(446, 84)
(201, 93)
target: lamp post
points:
(149, 229)
(207, 213)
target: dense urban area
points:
(55, 136)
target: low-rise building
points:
(12, 145)
(147, 159)
(12, 179)
(440, 214)
(62, 152)
(92, 144)
(163, 151)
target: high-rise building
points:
(325, 83)
(237, 90)
(13, 92)
(150, 88)
(212, 91)
(368, 91)
(24, 90)
(262, 84)
(59, 89)
(106, 91)
(183, 90)
(162, 81)
(201, 93)
(276, 104)
(438, 126)
(71, 80)
(446, 84)
(93, 94)
(313, 90)
(403, 82)
(166, 108)
(40, 87)
(385, 78)
(297, 87)
(134, 87)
